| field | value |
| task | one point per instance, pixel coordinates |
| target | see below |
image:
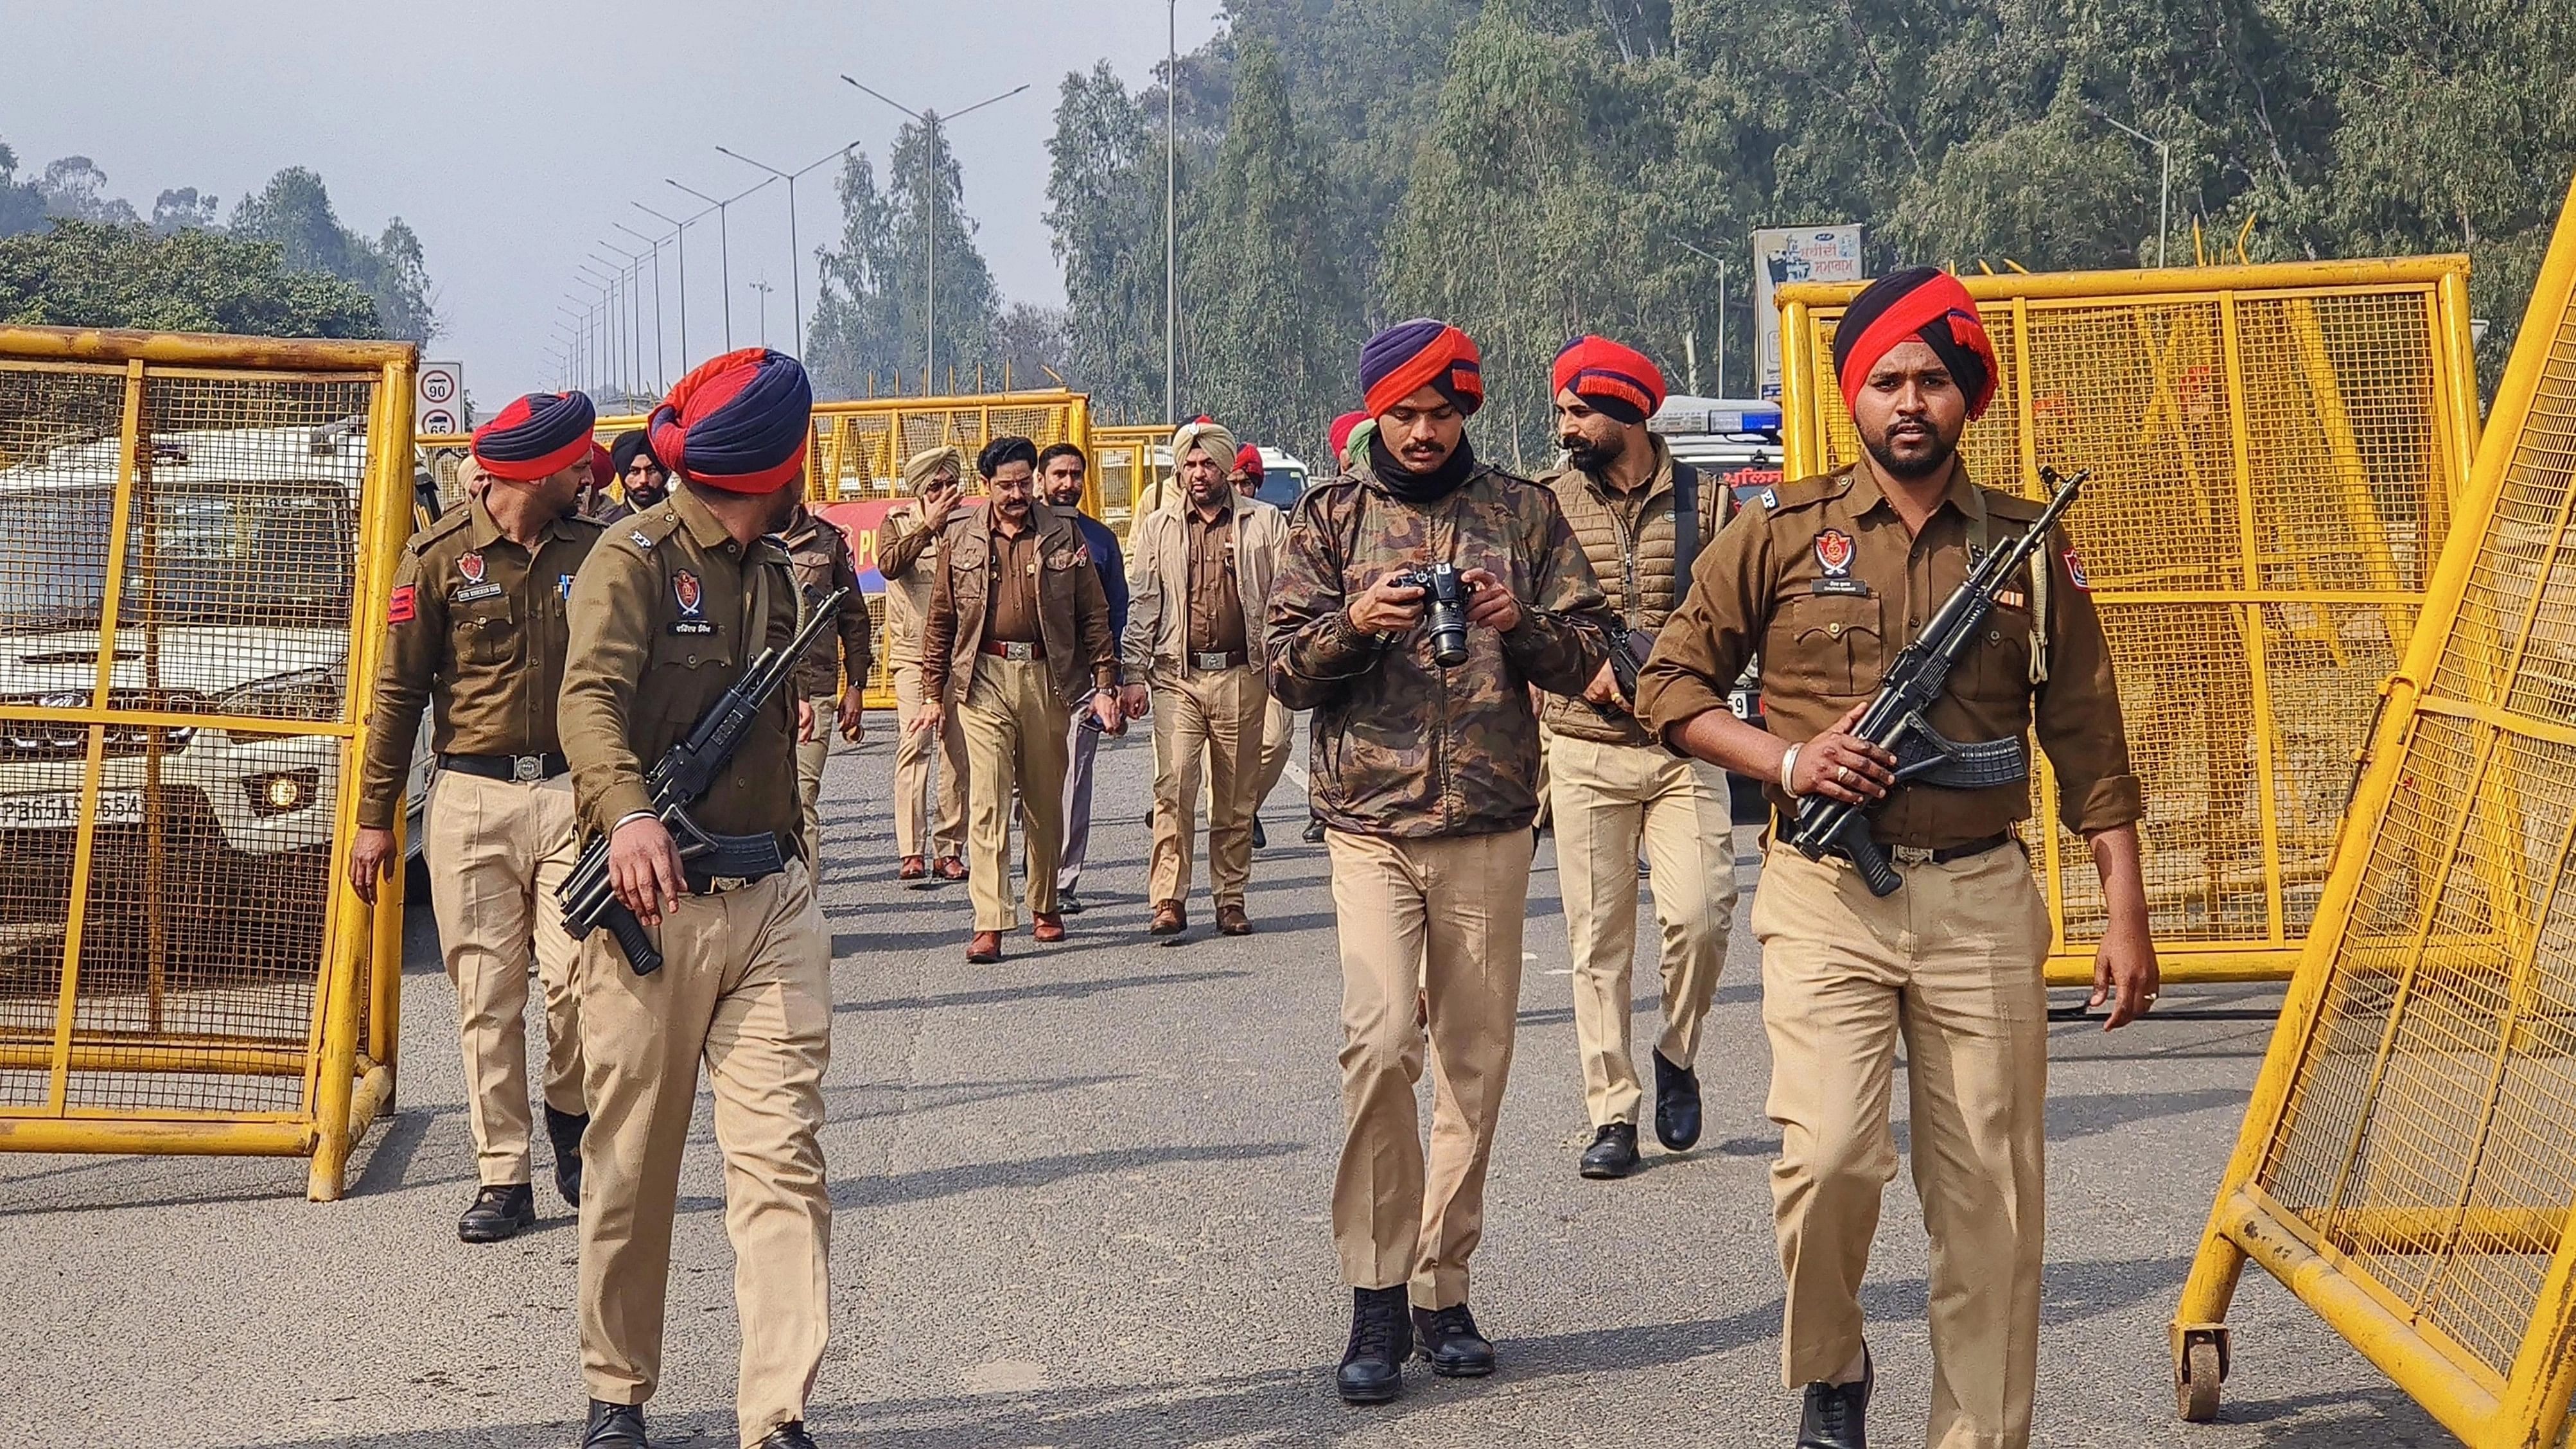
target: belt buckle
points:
(719, 884)
(1210, 661)
(1912, 854)
(527, 769)
(1013, 649)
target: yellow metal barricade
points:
(2276, 454)
(856, 459)
(2406, 1165)
(1133, 463)
(196, 535)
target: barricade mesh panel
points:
(2272, 477)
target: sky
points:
(512, 135)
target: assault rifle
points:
(1894, 720)
(676, 783)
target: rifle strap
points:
(1980, 542)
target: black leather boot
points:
(1451, 1344)
(1836, 1416)
(790, 1435)
(1314, 830)
(498, 1213)
(1372, 1369)
(1676, 1104)
(614, 1426)
(564, 1129)
(1613, 1152)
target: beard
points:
(1925, 465)
(1594, 458)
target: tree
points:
(74, 187)
(1272, 320)
(294, 213)
(22, 208)
(185, 208)
(1029, 342)
(856, 343)
(876, 297)
(1107, 229)
(90, 274)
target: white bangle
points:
(1789, 771)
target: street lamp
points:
(635, 306)
(795, 280)
(724, 244)
(764, 289)
(930, 235)
(580, 340)
(607, 284)
(661, 378)
(1171, 192)
(2164, 156)
(679, 231)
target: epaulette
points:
(647, 530)
(440, 527)
(1803, 492)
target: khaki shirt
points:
(665, 617)
(902, 543)
(1216, 600)
(476, 629)
(1821, 578)
(818, 554)
(1011, 615)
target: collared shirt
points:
(1014, 601)
(1824, 579)
(665, 616)
(475, 629)
(1216, 597)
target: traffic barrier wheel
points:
(2196, 1387)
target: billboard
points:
(1794, 254)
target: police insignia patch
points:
(402, 608)
(471, 566)
(1834, 552)
(637, 536)
(2075, 572)
(685, 593)
(1770, 497)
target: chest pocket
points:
(486, 632)
(1999, 665)
(1827, 646)
(686, 672)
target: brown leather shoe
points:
(984, 948)
(1231, 921)
(1048, 927)
(950, 868)
(914, 868)
(1170, 919)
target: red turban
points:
(1920, 303)
(1248, 459)
(1338, 436)
(602, 467)
(1410, 356)
(1617, 380)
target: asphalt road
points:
(1081, 1202)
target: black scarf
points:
(1421, 488)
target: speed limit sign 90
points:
(439, 398)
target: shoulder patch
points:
(1805, 492)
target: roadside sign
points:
(438, 399)
(1794, 254)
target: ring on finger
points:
(1842, 774)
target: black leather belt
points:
(703, 884)
(1220, 659)
(525, 769)
(1916, 854)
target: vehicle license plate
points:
(62, 812)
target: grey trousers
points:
(1080, 745)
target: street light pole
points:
(607, 284)
(764, 289)
(930, 237)
(1171, 219)
(795, 278)
(661, 378)
(724, 245)
(2164, 188)
(680, 231)
(634, 306)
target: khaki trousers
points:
(1014, 731)
(811, 756)
(1951, 963)
(1609, 801)
(912, 824)
(1218, 712)
(1445, 913)
(745, 986)
(497, 851)
(1278, 742)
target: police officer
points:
(819, 554)
(1828, 578)
(641, 478)
(929, 834)
(671, 608)
(1018, 638)
(476, 631)
(1061, 469)
(1426, 779)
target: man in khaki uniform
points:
(1018, 638)
(1061, 469)
(1829, 578)
(1278, 722)
(476, 631)
(909, 536)
(665, 617)
(1203, 586)
(1613, 788)
(1424, 779)
(820, 557)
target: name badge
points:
(1847, 588)
(691, 626)
(472, 593)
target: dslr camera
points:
(1444, 609)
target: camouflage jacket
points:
(1403, 747)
